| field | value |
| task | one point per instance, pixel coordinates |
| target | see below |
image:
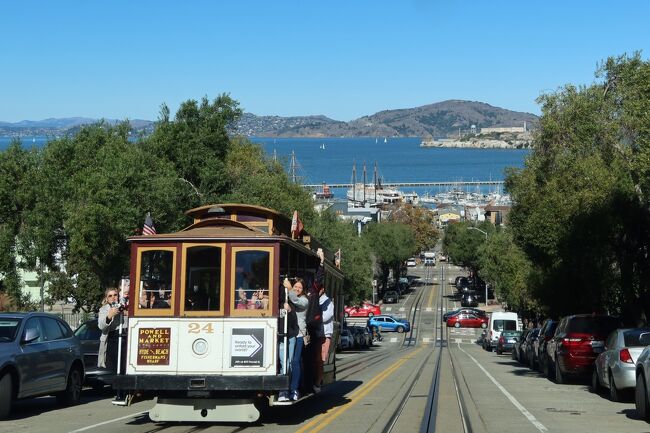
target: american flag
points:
(148, 228)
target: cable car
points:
(202, 330)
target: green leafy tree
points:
(421, 221)
(507, 269)
(17, 167)
(581, 210)
(392, 243)
(462, 242)
(94, 190)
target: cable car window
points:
(203, 279)
(252, 280)
(156, 271)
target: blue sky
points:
(343, 59)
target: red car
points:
(467, 320)
(365, 310)
(577, 342)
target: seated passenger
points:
(196, 299)
(242, 301)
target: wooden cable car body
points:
(203, 313)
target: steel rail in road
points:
(410, 184)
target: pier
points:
(415, 184)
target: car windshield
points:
(9, 329)
(504, 325)
(596, 325)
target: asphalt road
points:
(388, 388)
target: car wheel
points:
(72, 392)
(595, 382)
(6, 395)
(483, 325)
(400, 329)
(370, 314)
(559, 377)
(614, 394)
(456, 325)
(641, 397)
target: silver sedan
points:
(615, 367)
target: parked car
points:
(347, 339)
(88, 334)
(461, 283)
(615, 368)
(641, 396)
(500, 321)
(545, 334)
(26, 341)
(390, 297)
(467, 320)
(411, 262)
(529, 348)
(578, 340)
(507, 340)
(389, 323)
(365, 310)
(517, 352)
(462, 310)
(469, 299)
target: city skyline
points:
(123, 60)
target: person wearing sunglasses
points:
(109, 323)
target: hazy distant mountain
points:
(62, 126)
(435, 120)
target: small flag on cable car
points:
(296, 225)
(148, 228)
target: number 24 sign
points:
(200, 328)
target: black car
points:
(517, 352)
(469, 299)
(545, 334)
(88, 334)
(39, 355)
(528, 347)
(391, 297)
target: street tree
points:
(391, 243)
(421, 222)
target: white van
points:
(500, 321)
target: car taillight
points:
(624, 356)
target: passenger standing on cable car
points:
(299, 302)
(292, 332)
(318, 321)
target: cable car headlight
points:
(200, 346)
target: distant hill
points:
(62, 126)
(439, 120)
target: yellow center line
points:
(324, 419)
(430, 302)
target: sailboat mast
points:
(364, 183)
(354, 183)
(292, 167)
(376, 181)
